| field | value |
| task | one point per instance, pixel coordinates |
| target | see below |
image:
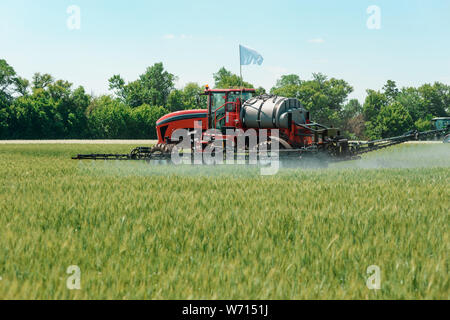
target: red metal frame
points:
(223, 106)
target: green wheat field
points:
(147, 231)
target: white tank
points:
(269, 112)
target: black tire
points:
(161, 151)
(140, 153)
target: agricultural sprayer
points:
(276, 124)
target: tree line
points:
(46, 108)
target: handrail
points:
(215, 112)
(222, 118)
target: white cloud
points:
(173, 36)
(316, 40)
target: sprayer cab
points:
(224, 107)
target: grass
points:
(157, 232)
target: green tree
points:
(7, 76)
(352, 108)
(33, 117)
(391, 91)
(392, 120)
(436, 98)
(117, 85)
(22, 85)
(157, 84)
(192, 97)
(289, 91)
(373, 104)
(424, 124)
(355, 127)
(7, 79)
(186, 98)
(110, 118)
(350, 119)
(395, 111)
(76, 121)
(225, 79)
(288, 80)
(41, 81)
(144, 121)
(4, 123)
(107, 118)
(413, 101)
(153, 87)
(324, 98)
(260, 91)
(52, 110)
(175, 102)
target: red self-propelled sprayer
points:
(231, 112)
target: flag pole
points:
(240, 70)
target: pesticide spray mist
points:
(407, 156)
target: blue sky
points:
(195, 38)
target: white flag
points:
(249, 56)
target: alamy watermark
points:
(74, 20)
(374, 279)
(240, 147)
(74, 280)
(374, 20)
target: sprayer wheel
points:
(157, 150)
(162, 151)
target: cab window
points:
(218, 100)
(234, 96)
